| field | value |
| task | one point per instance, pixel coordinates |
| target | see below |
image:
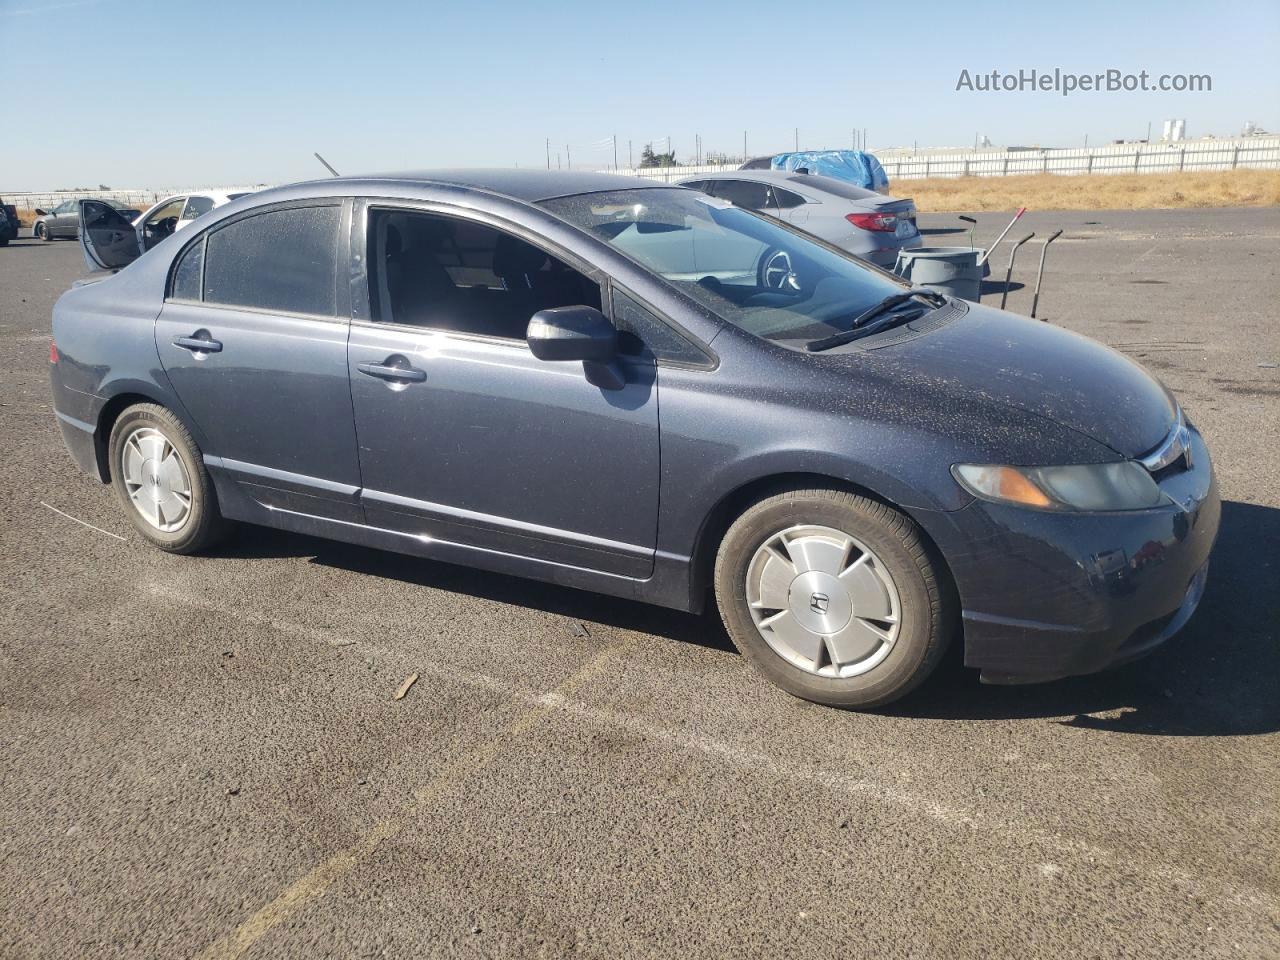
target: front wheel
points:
(832, 596)
(160, 479)
(42, 232)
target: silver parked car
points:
(64, 219)
(863, 222)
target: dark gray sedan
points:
(63, 221)
(608, 383)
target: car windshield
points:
(751, 270)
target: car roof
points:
(528, 185)
(794, 181)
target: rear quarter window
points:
(186, 276)
(281, 260)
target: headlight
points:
(1097, 486)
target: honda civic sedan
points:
(607, 383)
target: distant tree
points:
(650, 159)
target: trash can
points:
(950, 270)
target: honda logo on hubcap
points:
(818, 602)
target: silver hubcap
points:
(156, 479)
(823, 601)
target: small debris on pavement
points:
(1269, 366)
(233, 791)
(363, 781)
(404, 687)
(341, 642)
(579, 629)
(228, 653)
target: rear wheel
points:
(160, 479)
(833, 596)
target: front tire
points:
(159, 477)
(42, 232)
(832, 596)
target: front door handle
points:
(385, 371)
(200, 342)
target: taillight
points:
(53, 352)
(879, 222)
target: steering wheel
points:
(776, 272)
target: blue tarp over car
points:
(854, 166)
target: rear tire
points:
(833, 596)
(160, 479)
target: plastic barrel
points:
(951, 270)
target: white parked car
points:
(173, 213)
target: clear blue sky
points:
(172, 92)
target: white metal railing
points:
(138, 197)
(1187, 155)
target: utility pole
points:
(568, 156)
(1148, 131)
(548, 153)
(630, 162)
(615, 153)
(797, 139)
(864, 138)
(745, 157)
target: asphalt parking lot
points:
(202, 756)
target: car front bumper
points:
(1048, 594)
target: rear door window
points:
(744, 193)
(196, 206)
(284, 261)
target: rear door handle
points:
(199, 343)
(385, 371)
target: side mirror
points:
(41, 213)
(572, 333)
(578, 333)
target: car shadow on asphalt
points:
(704, 630)
(1218, 677)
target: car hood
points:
(1029, 366)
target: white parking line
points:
(560, 700)
(82, 522)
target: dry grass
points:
(26, 216)
(1142, 191)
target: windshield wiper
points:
(862, 320)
